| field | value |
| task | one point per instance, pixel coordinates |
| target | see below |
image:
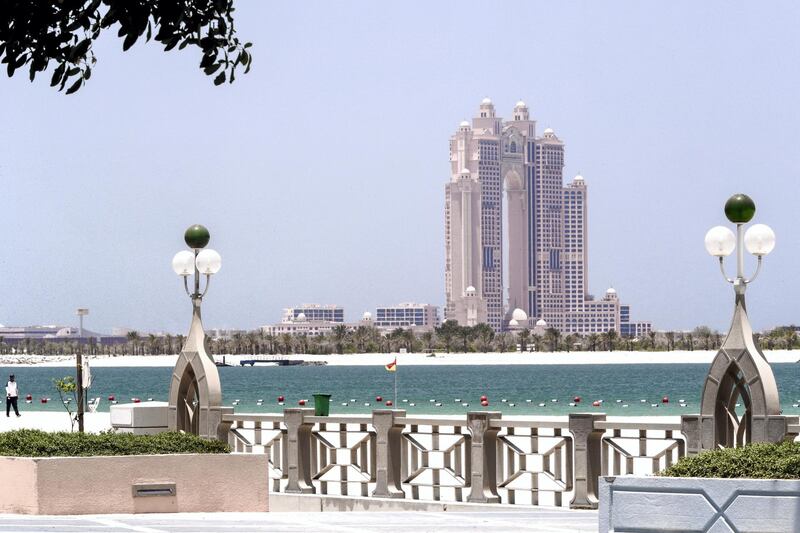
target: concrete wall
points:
(94, 485)
(656, 504)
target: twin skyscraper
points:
(546, 232)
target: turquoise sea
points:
(420, 384)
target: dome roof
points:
(471, 290)
(519, 315)
(512, 323)
(464, 124)
(578, 178)
(611, 290)
(367, 316)
(541, 322)
(486, 101)
(520, 104)
(549, 131)
(301, 317)
(465, 171)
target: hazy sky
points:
(321, 173)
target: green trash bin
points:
(322, 404)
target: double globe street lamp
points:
(759, 240)
(199, 261)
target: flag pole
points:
(395, 385)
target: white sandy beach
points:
(380, 359)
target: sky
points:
(321, 173)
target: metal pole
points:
(395, 384)
(739, 252)
(79, 363)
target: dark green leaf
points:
(129, 41)
(79, 50)
(75, 86)
(207, 61)
(212, 69)
(220, 79)
(57, 74)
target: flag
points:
(392, 367)
(87, 375)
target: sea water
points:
(636, 389)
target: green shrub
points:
(36, 443)
(758, 461)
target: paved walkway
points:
(545, 520)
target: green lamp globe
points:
(740, 209)
(197, 236)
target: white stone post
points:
(588, 445)
(388, 441)
(298, 450)
(483, 454)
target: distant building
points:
(315, 312)
(17, 334)
(222, 334)
(498, 165)
(629, 328)
(406, 315)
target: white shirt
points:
(11, 389)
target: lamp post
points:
(195, 394)
(81, 312)
(740, 372)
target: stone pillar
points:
(388, 440)
(587, 443)
(224, 427)
(483, 456)
(298, 450)
(690, 427)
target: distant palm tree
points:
(524, 336)
(339, 335)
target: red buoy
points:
(378, 398)
(28, 397)
(389, 403)
(577, 399)
(111, 397)
(484, 398)
(665, 399)
(485, 403)
(136, 400)
(596, 403)
(281, 398)
(301, 402)
(44, 400)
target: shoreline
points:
(414, 359)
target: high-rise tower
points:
(494, 154)
(546, 221)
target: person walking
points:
(12, 393)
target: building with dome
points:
(504, 175)
(315, 313)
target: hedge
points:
(757, 461)
(36, 443)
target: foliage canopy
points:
(36, 32)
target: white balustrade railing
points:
(478, 458)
